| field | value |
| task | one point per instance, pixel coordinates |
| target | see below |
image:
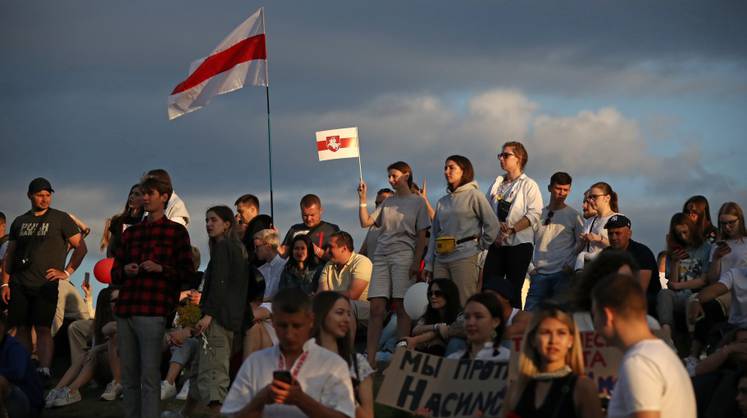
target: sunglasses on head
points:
(436, 293)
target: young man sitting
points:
(319, 385)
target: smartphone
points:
(87, 279)
(283, 376)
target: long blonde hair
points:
(530, 359)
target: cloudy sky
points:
(648, 96)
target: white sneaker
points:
(52, 395)
(112, 392)
(168, 390)
(182, 395)
(67, 397)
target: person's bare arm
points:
(80, 251)
(420, 244)
(365, 219)
(366, 398)
(356, 289)
(9, 256)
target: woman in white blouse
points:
(517, 201)
(603, 200)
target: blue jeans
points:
(139, 340)
(544, 286)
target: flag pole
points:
(360, 167)
(269, 131)
(269, 150)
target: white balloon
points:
(416, 300)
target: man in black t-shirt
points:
(313, 226)
(619, 233)
(34, 262)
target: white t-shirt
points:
(736, 258)
(555, 244)
(652, 378)
(736, 281)
(323, 375)
(399, 219)
(271, 272)
(591, 250)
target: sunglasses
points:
(550, 214)
(594, 196)
(505, 155)
(436, 293)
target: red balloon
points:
(103, 270)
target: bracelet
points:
(363, 205)
(66, 273)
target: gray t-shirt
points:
(400, 218)
(555, 241)
(42, 240)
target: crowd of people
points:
(299, 326)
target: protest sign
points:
(449, 388)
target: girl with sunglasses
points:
(332, 325)
(432, 330)
(551, 380)
(517, 201)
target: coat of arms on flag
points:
(337, 143)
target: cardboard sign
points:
(449, 388)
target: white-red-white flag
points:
(337, 143)
(240, 58)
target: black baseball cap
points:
(617, 221)
(38, 184)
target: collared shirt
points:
(358, 267)
(526, 201)
(152, 294)
(323, 376)
(271, 272)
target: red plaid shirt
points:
(152, 294)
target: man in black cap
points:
(34, 262)
(619, 233)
